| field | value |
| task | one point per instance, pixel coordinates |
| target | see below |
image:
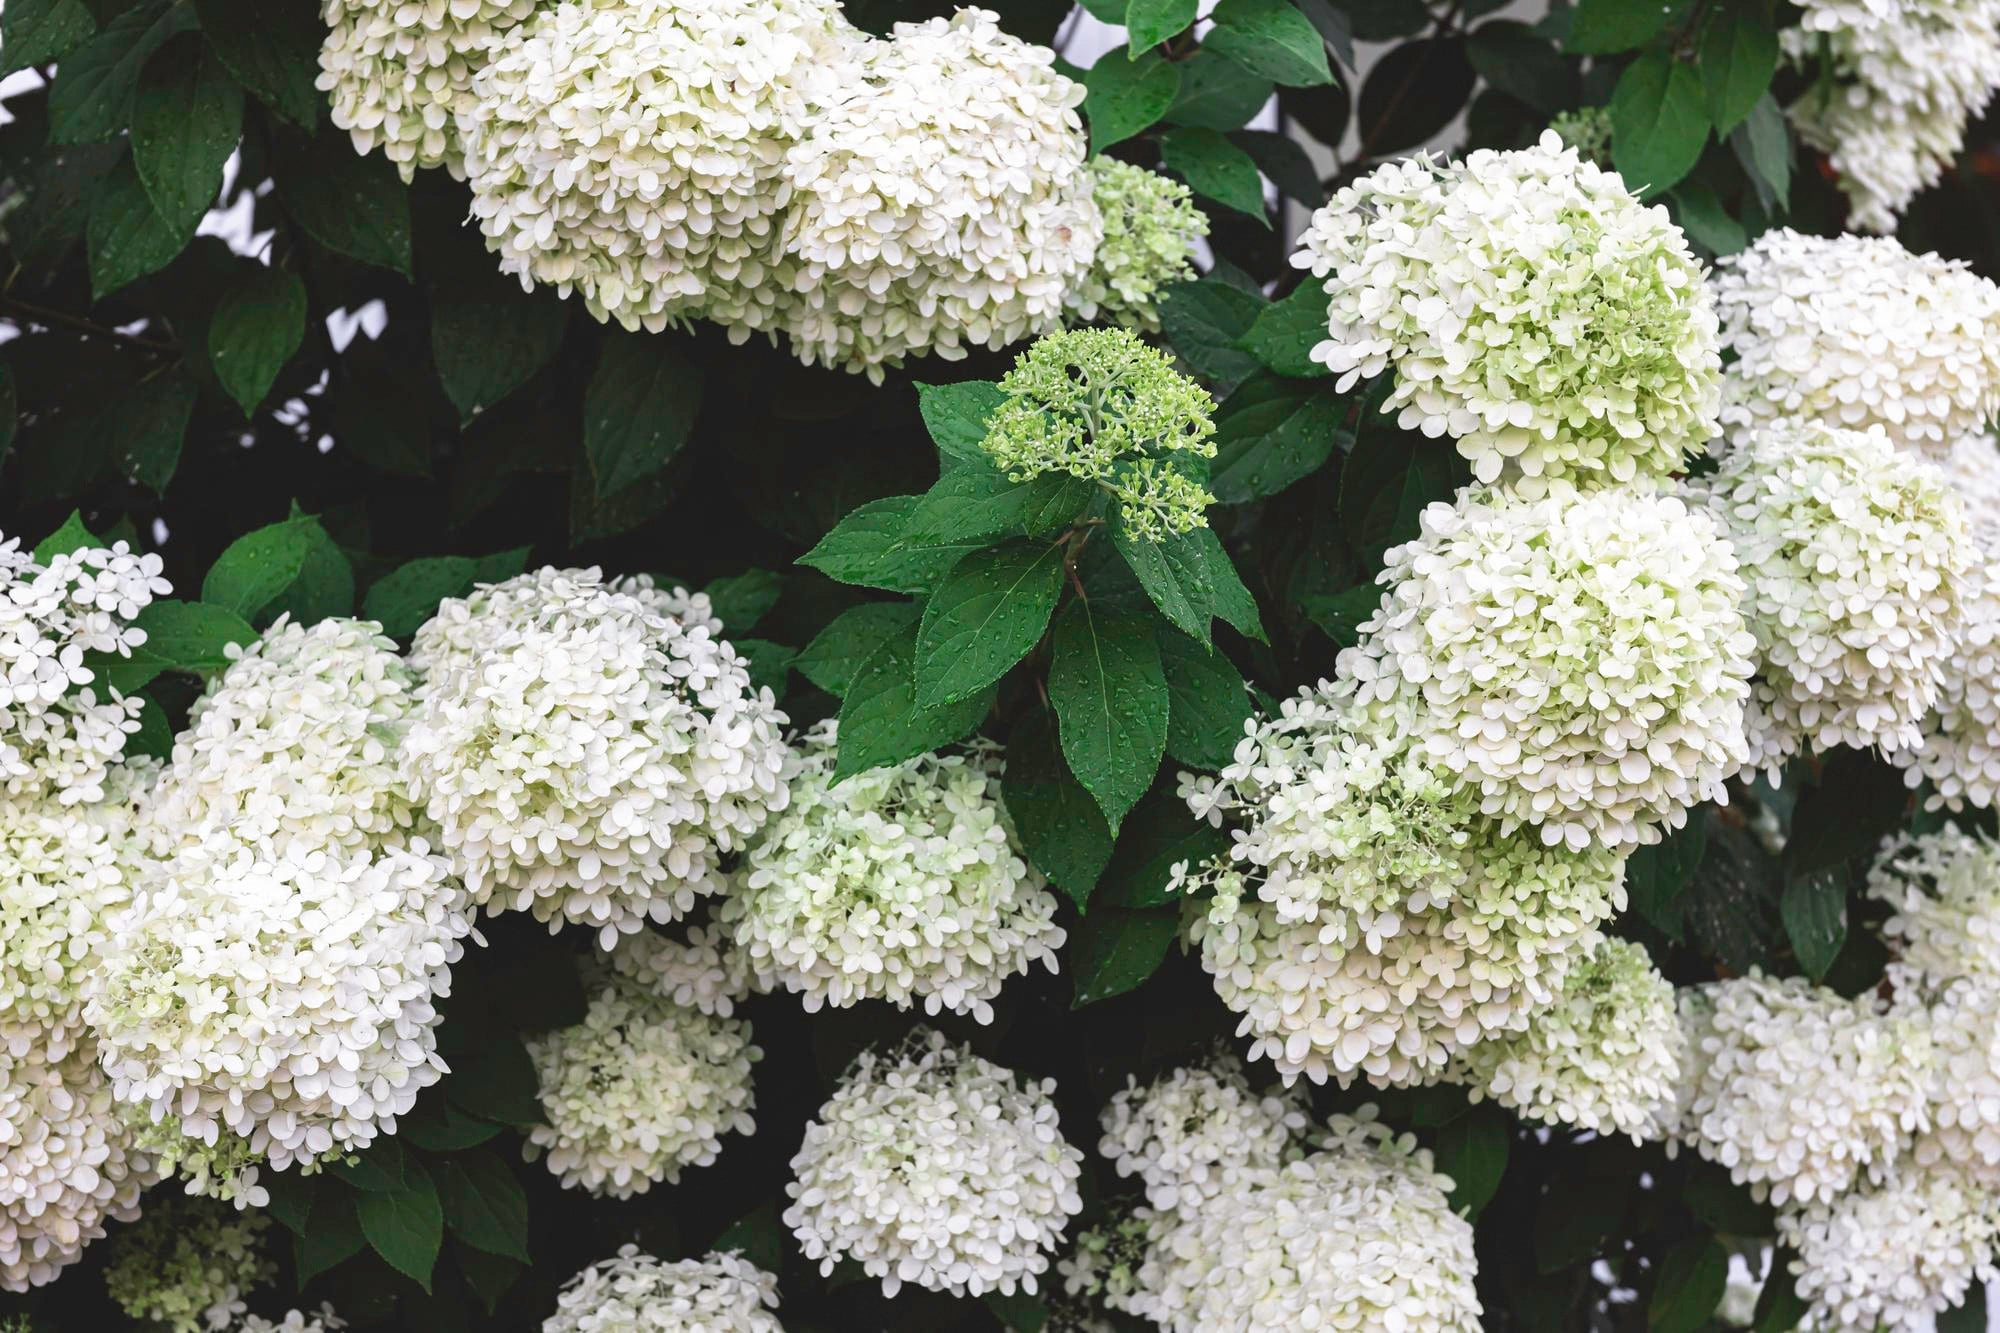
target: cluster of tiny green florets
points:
(1101, 405)
(188, 1264)
(1588, 130)
(1151, 225)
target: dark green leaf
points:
(148, 425)
(1110, 695)
(1174, 573)
(1658, 123)
(1473, 1150)
(34, 32)
(1413, 93)
(258, 325)
(978, 502)
(639, 410)
(1233, 601)
(1814, 908)
(383, 1169)
(1205, 321)
(348, 203)
(437, 1126)
(1285, 332)
(1271, 433)
(1217, 93)
(1780, 1310)
(408, 595)
(292, 1197)
(1858, 801)
(1270, 38)
(1126, 96)
(988, 614)
(869, 548)
(1284, 162)
(180, 636)
(741, 600)
(1724, 1206)
(186, 118)
(1969, 1315)
(405, 1227)
(769, 664)
(838, 651)
(1113, 950)
(1022, 1312)
(92, 99)
(1739, 54)
(73, 535)
(955, 415)
(489, 338)
(332, 1236)
(10, 412)
(1339, 615)
(495, 1081)
(758, 1236)
(272, 50)
(1657, 875)
(1606, 27)
(128, 239)
(1150, 22)
(1689, 1286)
(324, 587)
(1707, 223)
(1159, 833)
(1574, 1219)
(484, 1204)
(1389, 477)
(1209, 703)
(255, 568)
(1763, 145)
(1520, 62)
(1335, 27)
(1060, 827)
(489, 1276)
(1215, 168)
(880, 722)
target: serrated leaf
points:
(1208, 702)
(1215, 168)
(1473, 1151)
(91, 101)
(849, 639)
(1658, 123)
(1389, 477)
(495, 1080)
(73, 535)
(1520, 62)
(438, 1126)
(1285, 332)
(1739, 56)
(758, 1236)
(1705, 220)
(1110, 696)
(408, 595)
(186, 118)
(638, 411)
(1339, 615)
(1216, 93)
(869, 547)
(1150, 22)
(333, 1237)
(126, 236)
(1114, 950)
(1814, 910)
(978, 502)
(484, 1204)
(955, 415)
(1606, 27)
(1658, 874)
(1233, 601)
(180, 636)
(272, 50)
(1125, 96)
(1205, 322)
(34, 32)
(383, 1169)
(258, 325)
(488, 338)
(349, 203)
(1174, 573)
(405, 1227)
(255, 568)
(1284, 162)
(1689, 1286)
(988, 613)
(1061, 829)
(1271, 38)
(1160, 833)
(1271, 433)
(148, 425)
(880, 722)
(292, 1196)
(741, 600)
(324, 587)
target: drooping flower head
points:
(1854, 558)
(1151, 226)
(1189, 1134)
(717, 1293)
(1604, 1056)
(644, 1086)
(1530, 307)
(902, 883)
(1857, 332)
(631, 151)
(940, 202)
(188, 1264)
(936, 1168)
(1580, 661)
(588, 751)
(1101, 405)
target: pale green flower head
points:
(1588, 130)
(188, 1264)
(1151, 225)
(1101, 405)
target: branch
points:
(29, 312)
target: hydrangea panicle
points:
(188, 1264)
(717, 1293)
(1190, 1133)
(1151, 228)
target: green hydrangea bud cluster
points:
(1101, 405)
(1588, 130)
(188, 1264)
(1151, 225)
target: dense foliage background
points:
(233, 340)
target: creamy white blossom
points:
(632, 151)
(1893, 1255)
(294, 1321)
(399, 74)
(1959, 753)
(1857, 332)
(68, 1163)
(1855, 560)
(1580, 661)
(188, 1264)
(1965, 1088)
(1943, 893)
(1530, 307)
(586, 751)
(936, 1168)
(1189, 1133)
(903, 883)
(1605, 1055)
(1973, 469)
(940, 202)
(644, 1086)
(1900, 81)
(1802, 1093)
(633, 1292)
(1151, 228)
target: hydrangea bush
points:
(881, 665)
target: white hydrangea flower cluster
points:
(400, 74)
(1151, 227)
(717, 1293)
(1973, 469)
(1580, 661)
(1532, 309)
(902, 883)
(1802, 1093)
(1959, 753)
(587, 751)
(1604, 1056)
(1855, 558)
(644, 1086)
(1902, 79)
(68, 1163)
(1894, 1255)
(1857, 332)
(1188, 1134)
(58, 738)
(188, 1265)
(632, 151)
(1943, 893)
(1357, 1235)
(1965, 1095)
(937, 1168)
(295, 1321)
